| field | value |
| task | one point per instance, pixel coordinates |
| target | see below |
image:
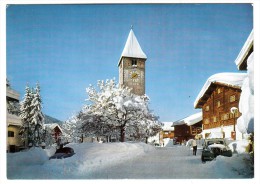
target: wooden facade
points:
(167, 134)
(185, 132)
(216, 104)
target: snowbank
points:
(245, 123)
(35, 156)
(89, 157)
(239, 146)
(237, 166)
(215, 135)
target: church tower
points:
(132, 66)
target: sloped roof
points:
(190, 120)
(228, 79)
(52, 126)
(245, 52)
(167, 127)
(132, 48)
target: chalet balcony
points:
(10, 93)
(13, 119)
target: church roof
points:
(132, 48)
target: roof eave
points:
(145, 58)
(209, 91)
(245, 52)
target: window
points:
(207, 108)
(225, 116)
(219, 90)
(215, 119)
(10, 134)
(218, 103)
(206, 121)
(134, 62)
(232, 98)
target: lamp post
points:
(222, 129)
(234, 110)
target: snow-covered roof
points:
(213, 135)
(132, 48)
(245, 51)
(228, 79)
(167, 126)
(52, 126)
(190, 120)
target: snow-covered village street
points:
(126, 160)
(142, 91)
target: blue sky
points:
(67, 47)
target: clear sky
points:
(67, 47)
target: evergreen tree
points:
(32, 117)
(37, 117)
(26, 117)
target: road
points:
(175, 162)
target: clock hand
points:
(134, 75)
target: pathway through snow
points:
(125, 160)
(175, 162)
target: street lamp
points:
(234, 110)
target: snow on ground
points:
(89, 157)
(124, 160)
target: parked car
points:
(214, 147)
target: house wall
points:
(227, 132)
(183, 133)
(15, 140)
(216, 110)
(167, 134)
(13, 122)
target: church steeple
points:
(132, 48)
(132, 65)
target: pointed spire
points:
(132, 47)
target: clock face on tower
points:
(134, 76)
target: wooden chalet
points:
(219, 101)
(188, 128)
(166, 132)
(55, 130)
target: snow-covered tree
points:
(71, 130)
(37, 117)
(32, 117)
(115, 109)
(25, 114)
